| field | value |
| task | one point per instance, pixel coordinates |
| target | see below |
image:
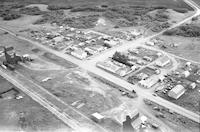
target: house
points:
(134, 68)
(176, 92)
(193, 85)
(186, 73)
(163, 61)
(90, 50)
(79, 54)
(123, 71)
(58, 39)
(97, 117)
(142, 76)
(147, 58)
(111, 43)
(150, 43)
(159, 54)
(135, 33)
(121, 116)
(97, 48)
(109, 66)
(133, 51)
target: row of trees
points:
(186, 31)
(9, 15)
(31, 11)
(122, 58)
(59, 7)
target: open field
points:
(188, 48)
(25, 114)
(197, 1)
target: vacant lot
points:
(25, 114)
(77, 88)
(188, 48)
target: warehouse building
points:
(176, 92)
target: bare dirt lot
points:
(25, 114)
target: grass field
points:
(187, 47)
(25, 114)
(167, 3)
(197, 1)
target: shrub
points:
(59, 7)
(119, 57)
(82, 22)
(31, 11)
(186, 31)
(11, 16)
(181, 10)
(87, 9)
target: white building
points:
(163, 61)
(142, 76)
(193, 85)
(150, 43)
(111, 43)
(97, 117)
(176, 92)
(135, 33)
(79, 54)
(148, 83)
(186, 73)
(58, 39)
(90, 50)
